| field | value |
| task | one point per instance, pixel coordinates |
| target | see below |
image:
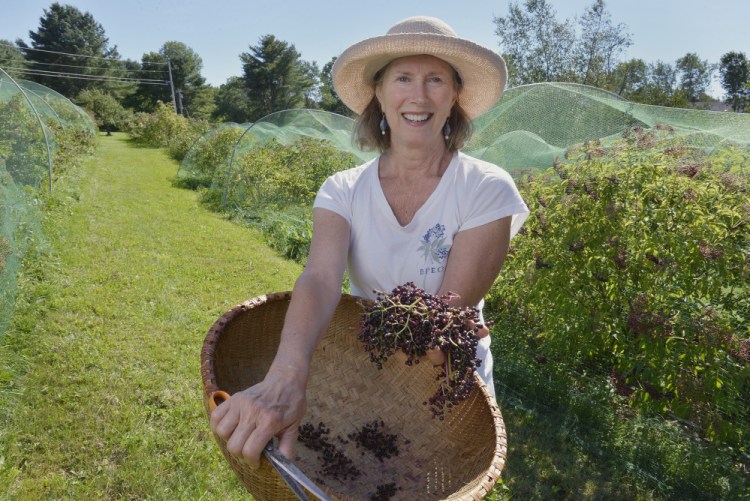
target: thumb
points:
(287, 441)
(483, 330)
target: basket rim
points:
(208, 350)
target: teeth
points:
(416, 118)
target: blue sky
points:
(219, 30)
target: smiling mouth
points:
(417, 117)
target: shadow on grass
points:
(576, 440)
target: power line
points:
(69, 54)
(87, 67)
(79, 76)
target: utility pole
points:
(171, 85)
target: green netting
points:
(25, 160)
(535, 124)
(285, 128)
(40, 130)
(63, 110)
(288, 126)
(209, 153)
(26, 143)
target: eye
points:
(402, 78)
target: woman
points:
(421, 212)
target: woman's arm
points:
(474, 263)
(475, 260)
(276, 406)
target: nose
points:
(419, 92)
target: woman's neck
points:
(405, 163)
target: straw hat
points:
(482, 71)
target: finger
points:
(287, 441)
(481, 329)
(435, 356)
(254, 446)
(227, 423)
(218, 414)
(236, 442)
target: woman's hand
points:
(251, 418)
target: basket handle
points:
(217, 398)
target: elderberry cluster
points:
(384, 492)
(375, 440)
(414, 321)
(335, 463)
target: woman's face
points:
(417, 93)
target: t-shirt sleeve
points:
(494, 197)
(333, 195)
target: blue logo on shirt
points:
(432, 247)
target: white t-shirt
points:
(383, 254)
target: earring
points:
(447, 130)
(383, 125)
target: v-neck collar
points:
(382, 201)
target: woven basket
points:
(460, 457)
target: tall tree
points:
(63, 30)
(661, 87)
(11, 59)
(536, 46)
(734, 69)
(275, 77)
(311, 72)
(599, 45)
(186, 68)
(629, 78)
(232, 102)
(329, 100)
(694, 74)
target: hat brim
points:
(482, 71)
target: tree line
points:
(70, 53)
(540, 48)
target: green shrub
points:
(109, 115)
(288, 231)
(210, 156)
(633, 268)
(278, 174)
(5, 247)
(271, 186)
(72, 141)
(166, 129)
(22, 144)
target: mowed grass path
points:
(100, 385)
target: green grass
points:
(100, 385)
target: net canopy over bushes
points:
(535, 124)
(281, 159)
(40, 133)
(210, 153)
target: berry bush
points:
(633, 268)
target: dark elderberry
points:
(373, 438)
(384, 492)
(414, 321)
(335, 463)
